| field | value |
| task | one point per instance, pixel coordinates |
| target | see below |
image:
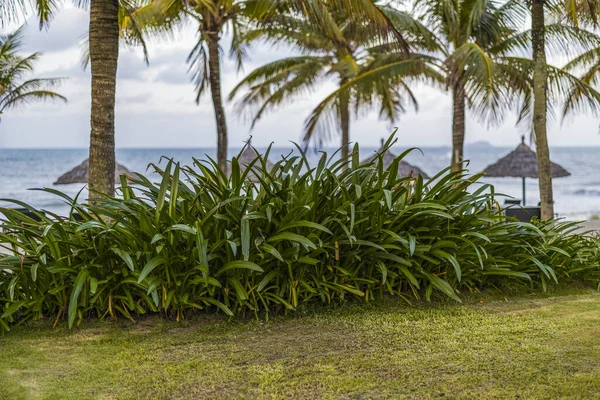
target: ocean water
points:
(576, 196)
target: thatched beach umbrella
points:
(249, 154)
(80, 174)
(404, 168)
(521, 163)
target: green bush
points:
(202, 240)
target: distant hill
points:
(480, 145)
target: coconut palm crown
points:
(471, 35)
(368, 73)
(15, 89)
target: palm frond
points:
(578, 95)
(366, 10)
(11, 43)
(574, 93)
(30, 91)
(13, 91)
(45, 11)
(129, 28)
(279, 82)
(385, 86)
(585, 11)
(278, 71)
(487, 82)
(12, 11)
(417, 35)
(240, 43)
(152, 18)
(441, 15)
(198, 66)
(561, 40)
(471, 13)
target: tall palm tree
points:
(244, 19)
(105, 19)
(368, 73)
(539, 10)
(104, 53)
(213, 18)
(540, 91)
(484, 44)
(14, 90)
(471, 35)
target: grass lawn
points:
(530, 346)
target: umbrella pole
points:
(523, 190)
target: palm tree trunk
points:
(345, 124)
(540, 89)
(458, 126)
(214, 65)
(104, 52)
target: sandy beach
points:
(591, 225)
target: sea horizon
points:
(310, 148)
(576, 196)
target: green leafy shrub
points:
(202, 240)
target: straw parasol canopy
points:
(404, 168)
(521, 163)
(249, 154)
(80, 174)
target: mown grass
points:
(530, 346)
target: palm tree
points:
(471, 34)
(105, 19)
(369, 73)
(540, 90)
(484, 44)
(244, 19)
(539, 9)
(14, 90)
(104, 53)
(213, 17)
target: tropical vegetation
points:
(15, 89)
(246, 21)
(203, 239)
(213, 19)
(474, 49)
(484, 54)
(471, 48)
(472, 39)
(103, 38)
(251, 239)
(571, 11)
(368, 73)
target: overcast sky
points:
(156, 108)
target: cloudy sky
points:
(156, 108)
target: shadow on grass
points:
(494, 346)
